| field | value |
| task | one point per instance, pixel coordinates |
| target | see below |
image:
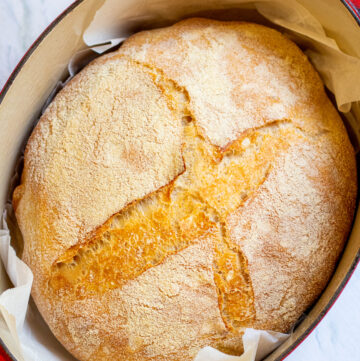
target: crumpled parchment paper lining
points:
(21, 324)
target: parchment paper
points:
(20, 321)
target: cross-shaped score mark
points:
(215, 182)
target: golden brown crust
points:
(193, 183)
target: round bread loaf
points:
(193, 183)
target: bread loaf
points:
(193, 183)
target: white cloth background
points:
(337, 337)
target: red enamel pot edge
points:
(353, 7)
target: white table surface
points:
(337, 337)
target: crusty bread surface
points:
(193, 183)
